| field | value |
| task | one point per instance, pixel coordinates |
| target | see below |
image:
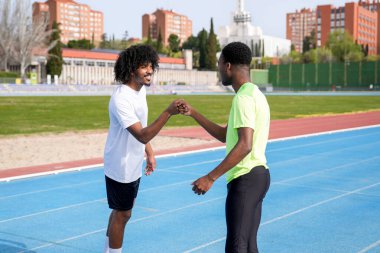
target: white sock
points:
(115, 250)
(107, 245)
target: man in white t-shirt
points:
(129, 137)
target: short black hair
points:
(237, 53)
(131, 59)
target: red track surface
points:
(279, 129)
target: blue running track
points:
(324, 197)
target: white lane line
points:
(290, 214)
(91, 202)
(325, 189)
(51, 210)
(133, 221)
(369, 247)
(322, 142)
(7, 179)
(50, 189)
(321, 154)
(98, 181)
(323, 133)
(180, 183)
(329, 169)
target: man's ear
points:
(228, 66)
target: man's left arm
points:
(242, 148)
(150, 159)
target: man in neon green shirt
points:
(246, 137)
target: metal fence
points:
(326, 76)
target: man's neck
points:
(236, 84)
(135, 86)
(239, 78)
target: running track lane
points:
(279, 129)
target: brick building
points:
(299, 25)
(78, 21)
(373, 5)
(360, 20)
(167, 22)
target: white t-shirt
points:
(123, 153)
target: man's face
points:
(144, 74)
(224, 71)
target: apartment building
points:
(167, 22)
(358, 21)
(299, 25)
(78, 21)
(374, 6)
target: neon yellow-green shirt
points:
(249, 109)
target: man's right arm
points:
(144, 135)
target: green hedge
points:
(9, 75)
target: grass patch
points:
(27, 115)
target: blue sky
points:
(121, 15)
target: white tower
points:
(240, 15)
(241, 29)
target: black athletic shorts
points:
(121, 196)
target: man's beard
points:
(141, 81)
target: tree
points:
(174, 42)
(202, 38)
(309, 42)
(124, 40)
(80, 44)
(318, 55)
(28, 34)
(211, 48)
(55, 61)
(342, 45)
(160, 44)
(306, 44)
(149, 39)
(191, 43)
(365, 50)
(6, 33)
(257, 50)
(104, 43)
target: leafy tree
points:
(104, 43)
(55, 60)
(318, 55)
(211, 48)
(365, 50)
(372, 58)
(80, 44)
(191, 43)
(160, 44)
(124, 40)
(202, 38)
(306, 44)
(257, 50)
(174, 42)
(296, 57)
(309, 42)
(343, 46)
(149, 39)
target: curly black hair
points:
(237, 53)
(131, 59)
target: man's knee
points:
(123, 216)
